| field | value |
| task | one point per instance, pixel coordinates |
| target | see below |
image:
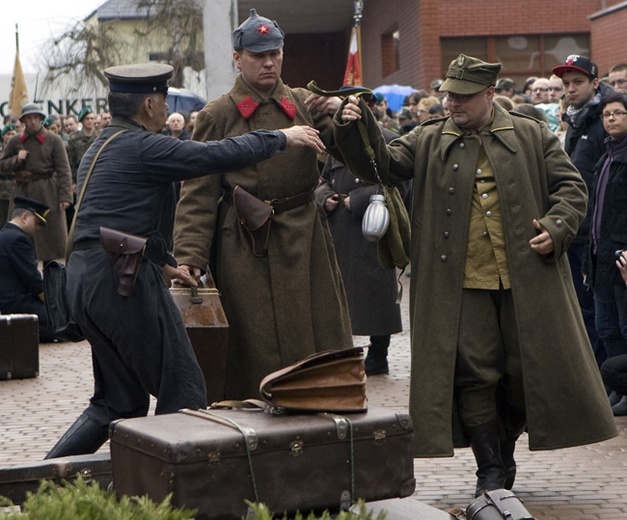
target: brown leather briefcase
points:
(215, 460)
(207, 328)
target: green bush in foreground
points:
(79, 500)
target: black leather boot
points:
(377, 359)
(486, 446)
(514, 425)
(84, 436)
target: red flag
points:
(352, 76)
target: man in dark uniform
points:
(139, 343)
(21, 284)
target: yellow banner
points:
(19, 95)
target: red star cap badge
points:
(263, 29)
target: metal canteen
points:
(376, 219)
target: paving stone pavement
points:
(583, 483)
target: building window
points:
(390, 56)
(522, 56)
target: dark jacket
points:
(585, 144)
(18, 266)
(613, 236)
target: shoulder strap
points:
(70, 239)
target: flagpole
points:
(353, 73)
(359, 7)
(18, 96)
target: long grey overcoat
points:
(565, 399)
(44, 158)
(289, 303)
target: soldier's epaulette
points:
(525, 116)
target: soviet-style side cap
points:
(85, 110)
(577, 63)
(258, 34)
(142, 78)
(468, 75)
(37, 208)
(32, 108)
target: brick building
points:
(411, 42)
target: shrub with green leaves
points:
(80, 500)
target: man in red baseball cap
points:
(583, 93)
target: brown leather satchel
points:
(126, 252)
(329, 381)
(255, 216)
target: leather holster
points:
(255, 216)
(126, 252)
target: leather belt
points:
(280, 205)
(287, 203)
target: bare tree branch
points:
(80, 54)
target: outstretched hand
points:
(302, 135)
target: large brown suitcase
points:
(19, 346)
(16, 481)
(288, 462)
(207, 328)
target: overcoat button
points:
(443, 258)
(449, 211)
(462, 145)
(451, 190)
(455, 167)
(488, 213)
(559, 222)
(484, 196)
(446, 234)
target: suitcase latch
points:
(379, 436)
(213, 457)
(296, 448)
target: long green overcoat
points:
(565, 399)
(291, 302)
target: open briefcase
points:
(214, 460)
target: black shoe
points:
(84, 436)
(376, 365)
(377, 358)
(620, 408)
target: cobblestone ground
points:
(585, 483)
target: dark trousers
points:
(488, 373)
(576, 253)
(139, 343)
